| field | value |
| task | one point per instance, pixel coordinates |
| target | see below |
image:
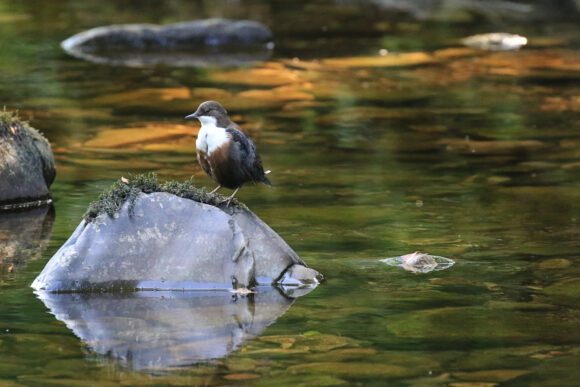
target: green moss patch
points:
(123, 190)
(8, 119)
(11, 124)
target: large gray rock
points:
(197, 43)
(156, 330)
(26, 164)
(162, 241)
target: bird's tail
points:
(265, 180)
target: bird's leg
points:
(229, 198)
(215, 189)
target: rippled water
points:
(470, 155)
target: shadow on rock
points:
(24, 235)
(156, 330)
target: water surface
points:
(431, 147)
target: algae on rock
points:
(127, 190)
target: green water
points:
(469, 155)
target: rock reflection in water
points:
(24, 235)
(156, 330)
(202, 58)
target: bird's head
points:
(209, 112)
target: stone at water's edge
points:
(496, 41)
(276, 255)
(162, 241)
(26, 164)
(200, 43)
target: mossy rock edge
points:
(27, 167)
(127, 190)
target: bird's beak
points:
(191, 116)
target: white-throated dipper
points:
(224, 152)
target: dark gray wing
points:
(245, 153)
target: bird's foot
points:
(215, 189)
(229, 199)
(226, 201)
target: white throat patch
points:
(207, 120)
(210, 137)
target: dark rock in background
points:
(493, 10)
(26, 164)
(197, 43)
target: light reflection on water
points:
(367, 163)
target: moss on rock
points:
(123, 190)
(10, 122)
(6, 119)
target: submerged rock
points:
(156, 330)
(196, 43)
(564, 292)
(26, 164)
(496, 41)
(491, 147)
(420, 262)
(135, 238)
(137, 137)
(390, 60)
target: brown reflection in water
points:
(24, 235)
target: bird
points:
(225, 153)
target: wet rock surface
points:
(26, 164)
(198, 43)
(162, 241)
